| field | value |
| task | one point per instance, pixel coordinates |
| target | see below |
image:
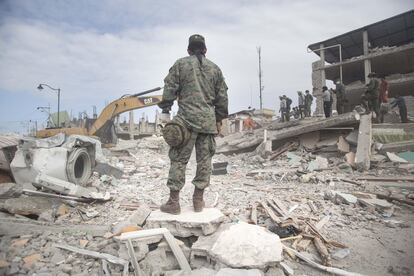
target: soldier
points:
(308, 103)
(198, 86)
(301, 104)
(340, 97)
(288, 106)
(372, 94)
(282, 108)
(327, 101)
(402, 107)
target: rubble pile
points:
(301, 198)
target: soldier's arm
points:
(221, 102)
(171, 88)
(371, 85)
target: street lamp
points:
(40, 87)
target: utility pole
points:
(259, 51)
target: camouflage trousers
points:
(205, 146)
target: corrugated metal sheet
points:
(8, 141)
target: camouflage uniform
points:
(372, 95)
(199, 87)
(340, 98)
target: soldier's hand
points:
(219, 125)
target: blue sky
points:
(96, 51)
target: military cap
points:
(372, 74)
(196, 38)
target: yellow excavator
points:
(103, 127)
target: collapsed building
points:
(385, 47)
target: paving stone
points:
(188, 223)
(240, 245)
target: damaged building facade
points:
(385, 47)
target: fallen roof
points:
(394, 31)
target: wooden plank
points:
(134, 261)
(253, 214)
(387, 178)
(333, 270)
(270, 213)
(277, 209)
(363, 153)
(323, 251)
(281, 206)
(387, 197)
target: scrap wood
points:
(286, 147)
(253, 214)
(312, 206)
(270, 213)
(277, 209)
(384, 178)
(387, 197)
(322, 237)
(304, 243)
(333, 270)
(216, 200)
(97, 255)
(323, 251)
(292, 238)
(350, 181)
(281, 206)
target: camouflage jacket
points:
(373, 88)
(201, 93)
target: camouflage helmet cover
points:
(196, 38)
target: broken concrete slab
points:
(137, 217)
(345, 198)
(378, 204)
(8, 190)
(363, 154)
(240, 245)
(319, 164)
(343, 145)
(239, 272)
(188, 223)
(395, 158)
(309, 140)
(27, 205)
(397, 146)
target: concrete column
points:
(318, 81)
(131, 125)
(367, 62)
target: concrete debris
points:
(345, 198)
(363, 153)
(261, 248)
(188, 223)
(238, 272)
(395, 158)
(341, 253)
(318, 164)
(8, 190)
(287, 269)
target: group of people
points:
(376, 100)
(303, 109)
(327, 97)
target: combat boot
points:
(198, 201)
(173, 204)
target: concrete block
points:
(188, 223)
(240, 245)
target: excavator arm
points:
(103, 126)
